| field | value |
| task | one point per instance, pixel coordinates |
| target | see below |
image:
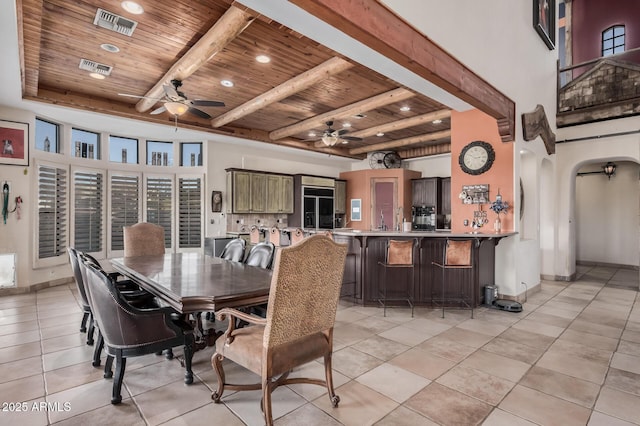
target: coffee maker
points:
(423, 218)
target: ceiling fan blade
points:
(199, 113)
(158, 111)
(205, 103)
(350, 138)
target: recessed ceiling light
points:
(132, 7)
(263, 59)
(359, 116)
(379, 134)
(110, 47)
(346, 124)
(405, 108)
(312, 134)
(97, 76)
(438, 121)
(344, 142)
(226, 83)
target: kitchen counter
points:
(421, 234)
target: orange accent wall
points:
(472, 126)
(359, 187)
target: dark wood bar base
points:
(362, 276)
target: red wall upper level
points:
(589, 18)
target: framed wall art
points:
(14, 143)
(544, 21)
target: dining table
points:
(192, 283)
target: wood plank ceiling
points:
(201, 43)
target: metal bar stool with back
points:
(457, 257)
(399, 256)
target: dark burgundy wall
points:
(591, 17)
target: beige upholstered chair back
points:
(274, 236)
(254, 235)
(143, 239)
(305, 288)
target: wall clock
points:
(476, 157)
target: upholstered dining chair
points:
(274, 236)
(143, 239)
(234, 250)
(128, 331)
(303, 300)
(84, 298)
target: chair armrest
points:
(233, 314)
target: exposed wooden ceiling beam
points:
(403, 124)
(395, 95)
(425, 151)
(29, 35)
(382, 30)
(227, 28)
(297, 84)
(402, 142)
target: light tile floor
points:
(572, 357)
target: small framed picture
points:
(356, 210)
(544, 21)
(14, 137)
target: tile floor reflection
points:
(572, 357)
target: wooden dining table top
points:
(194, 282)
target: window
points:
(123, 150)
(125, 201)
(86, 144)
(159, 153)
(613, 40)
(87, 210)
(159, 204)
(191, 154)
(52, 211)
(47, 136)
(189, 212)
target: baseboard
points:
(10, 291)
(609, 265)
(569, 278)
(522, 297)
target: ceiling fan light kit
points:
(176, 108)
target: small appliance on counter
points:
(423, 218)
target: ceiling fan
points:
(177, 103)
(330, 136)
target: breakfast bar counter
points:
(366, 249)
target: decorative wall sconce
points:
(608, 169)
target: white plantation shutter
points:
(125, 201)
(189, 212)
(52, 211)
(159, 211)
(88, 212)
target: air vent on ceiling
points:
(114, 22)
(91, 66)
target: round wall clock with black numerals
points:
(476, 157)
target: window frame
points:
(203, 211)
(98, 151)
(111, 252)
(58, 134)
(613, 38)
(137, 140)
(72, 201)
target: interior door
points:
(384, 203)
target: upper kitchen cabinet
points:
(340, 196)
(258, 192)
(425, 192)
(445, 190)
(279, 194)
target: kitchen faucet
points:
(382, 225)
(398, 216)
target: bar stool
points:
(296, 236)
(456, 257)
(254, 235)
(399, 255)
(274, 236)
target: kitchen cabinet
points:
(279, 194)
(340, 197)
(426, 192)
(258, 192)
(445, 190)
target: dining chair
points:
(234, 250)
(143, 239)
(261, 255)
(298, 328)
(274, 236)
(84, 299)
(254, 234)
(457, 257)
(399, 256)
(129, 332)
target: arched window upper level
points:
(613, 40)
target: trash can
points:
(490, 294)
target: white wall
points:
(606, 211)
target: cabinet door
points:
(241, 192)
(340, 195)
(431, 192)
(287, 194)
(274, 194)
(258, 192)
(446, 196)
